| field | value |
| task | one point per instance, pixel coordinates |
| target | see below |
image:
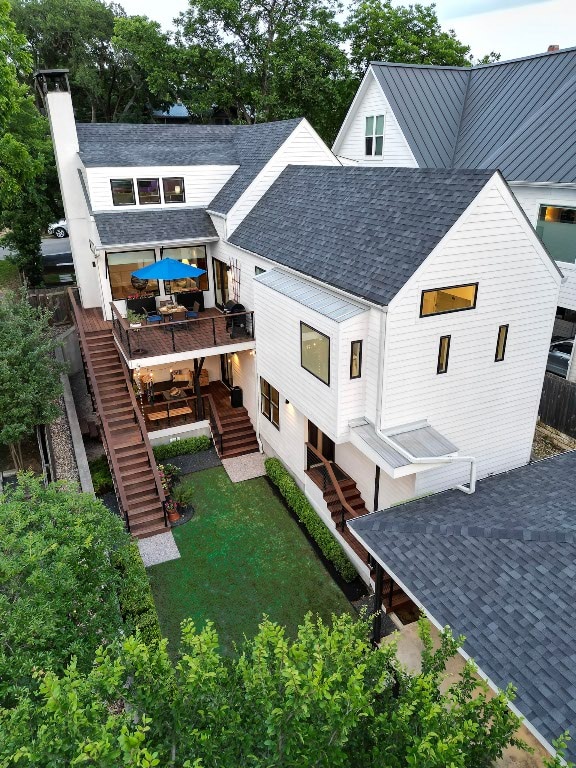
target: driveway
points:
(53, 250)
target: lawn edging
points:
(134, 595)
(304, 511)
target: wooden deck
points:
(210, 329)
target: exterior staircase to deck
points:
(232, 429)
(135, 474)
(393, 597)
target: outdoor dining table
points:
(172, 309)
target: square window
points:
(123, 192)
(174, 190)
(148, 191)
(195, 256)
(120, 267)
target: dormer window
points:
(148, 191)
(174, 190)
(123, 192)
(374, 136)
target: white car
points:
(59, 229)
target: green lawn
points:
(242, 556)
(9, 277)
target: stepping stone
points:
(246, 467)
(158, 549)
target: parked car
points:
(559, 357)
(58, 229)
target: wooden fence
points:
(54, 299)
(558, 404)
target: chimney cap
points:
(552, 48)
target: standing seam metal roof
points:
(499, 567)
(516, 116)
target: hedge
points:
(101, 477)
(134, 595)
(180, 447)
(304, 511)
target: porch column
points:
(377, 609)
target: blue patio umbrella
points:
(168, 269)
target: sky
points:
(513, 28)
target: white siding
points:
(230, 254)
(487, 409)
(531, 197)
(350, 142)
(244, 376)
(351, 392)
(289, 442)
(303, 147)
(201, 184)
(219, 225)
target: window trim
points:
(447, 288)
(302, 323)
(155, 293)
(373, 136)
(359, 375)
(168, 283)
(173, 202)
(119, 205)
(267, 398)
(149, 178)
(439, 370)
(500, 329)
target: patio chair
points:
(153, 317)
(192, 313)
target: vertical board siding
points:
(531, 197)
(351, 145)
(201, 183)
(487, 409)
(289, 442)
(558, 404)
(302, 147)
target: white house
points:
(516, 116)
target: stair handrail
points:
(328, 466)
(219, 428)
(99, 405)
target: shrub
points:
(304, 511)
(180, 447)
(101, 476)
(134, 594)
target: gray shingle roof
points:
(499, 567)
(363, 230)
(157, 226)
(513, 115)
(248, 146)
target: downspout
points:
(470, 488)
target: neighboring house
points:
(510, 587)
(516, 116)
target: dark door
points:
(226, 369)
(321, 442)
(220, 270)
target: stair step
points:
(133, 463)
(152, 530)
(146, 497)
(110, 410)
(137, 478)
(150, 506)
(134, 442)
(240, 452)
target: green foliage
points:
(559, 760)
(183, 493)
(101, 475)
(181, 447)
(134, 594)
(57, 587)
(324, 699)
(29, 373)
(302, 508)
(9, 277)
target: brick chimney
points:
(552, 48)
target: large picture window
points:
(455, 298)
(557, 229)
(120, 268)
(315, 352)
(148, 191)
(123, 192)
(174, 190)
(196, 256)
(374, 136)
(270, 402)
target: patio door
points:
(321, 442)
(226, 370)
(221, 294)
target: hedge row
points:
(135, 596)
(181, 447)
(302, 508)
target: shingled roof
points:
(247, 146)
(498, 566)
(154, 226)
(364, 230)
(512, 115)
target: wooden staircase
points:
(231, 427)
(134, 471)
(344, 503)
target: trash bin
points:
(236, 397)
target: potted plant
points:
(172, 510)
(168, 475)
(134, 318)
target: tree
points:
(26, 161)
(29, 373)
(379, 31)
(323, 699)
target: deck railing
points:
(168, 337)
(327, 469)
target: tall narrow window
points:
(356, 360)
(270, 402)
(501, 343)
(443, 354)
(374, 136)
(315, 352)
(122, 192)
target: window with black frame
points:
(148, 191)
(315, 352)
(120, 268)
(122, 191)
(270, 402)
(174, 190)
(196, 257)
